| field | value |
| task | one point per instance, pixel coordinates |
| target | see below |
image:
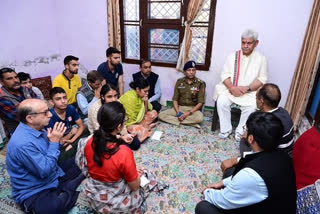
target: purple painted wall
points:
(37, 35)
(82, 30)
(28, 36)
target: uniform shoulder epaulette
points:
(180, 79)
(199, 80)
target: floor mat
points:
(186, 158)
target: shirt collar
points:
(65, 76)
(108, 68)
(144, 75)
(89, 86)
(186, 80)
(247, 57)
(32, 131)
(275, 109)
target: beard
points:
(113, 63)
(74, 72)
(14, 87)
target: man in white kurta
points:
(238, 85)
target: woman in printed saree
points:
(113, 182)
(138, 109)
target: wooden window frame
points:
(166, 24)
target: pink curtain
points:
(114, 35)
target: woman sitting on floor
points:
(113, 182)
(109, 93)
(138, 109)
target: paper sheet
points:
(156, 135)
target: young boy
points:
(62, 112)
(25, 81)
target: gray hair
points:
(23, 112)
(249, 33)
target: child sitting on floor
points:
(62, 112)
(25, 81)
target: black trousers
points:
(204, 207)
(135, 144)
(60, 199)
(156, 105)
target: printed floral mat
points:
(186, 158)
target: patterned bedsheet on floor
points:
(186, 158)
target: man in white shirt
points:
(243, 73)
(263, 182)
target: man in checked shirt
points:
(12, 94)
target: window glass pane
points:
(132, 41)
(131, 10)
(199, 44)
(164, 10)
(163, 45)
(205, 12)
(163, 55)
(164, 36)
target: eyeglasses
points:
(43, 112)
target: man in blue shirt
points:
(263, 182)
(39, 184)
(111, 70)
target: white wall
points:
(36, 35)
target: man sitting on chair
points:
(188, 99)
(268, 98)
(243, 73)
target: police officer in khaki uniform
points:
(188, 99)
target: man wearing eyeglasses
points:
(39, 183)
(12, 94)
(243, 73)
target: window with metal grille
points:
(154, 29)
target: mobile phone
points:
(179, 114)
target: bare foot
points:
(152, 125)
